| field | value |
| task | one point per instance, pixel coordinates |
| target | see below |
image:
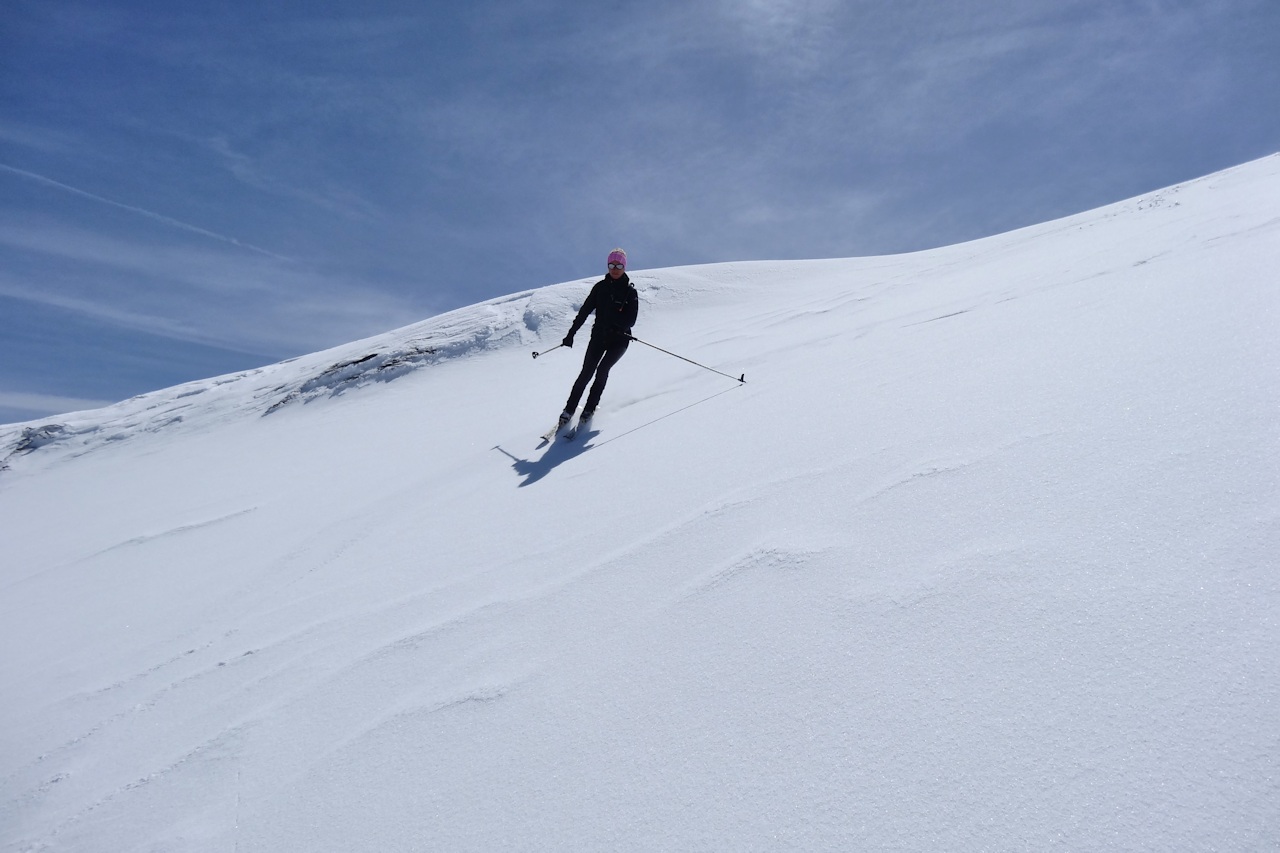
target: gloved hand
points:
(568, 341)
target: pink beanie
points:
(617, 256)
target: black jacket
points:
(616, 306)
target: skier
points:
(614, 301)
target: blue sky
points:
(196, 188)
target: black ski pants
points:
(601, 356)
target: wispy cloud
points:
(149, 214)
(263, 177)
(196, 293)
(38, 405)
(35, 138)
(788, 36)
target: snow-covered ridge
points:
(515, 320)
(507, 321)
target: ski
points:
(583, 423)
(550, 434)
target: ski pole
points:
(742, 378)
(557, 346)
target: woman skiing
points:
(614, 301)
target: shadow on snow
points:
(560, 450)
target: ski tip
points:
(742, 378)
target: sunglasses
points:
(617, 266)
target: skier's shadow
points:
(557, 451)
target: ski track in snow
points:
(175, 531)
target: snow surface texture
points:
(983, 556)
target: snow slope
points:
(983, 555)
